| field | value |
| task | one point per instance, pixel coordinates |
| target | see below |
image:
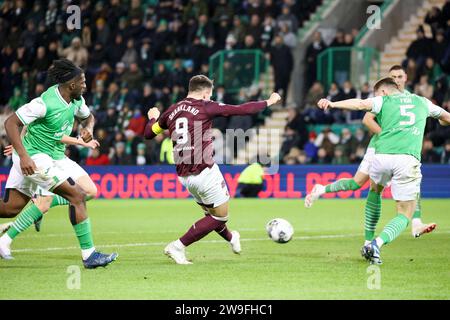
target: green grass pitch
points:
(321, 262)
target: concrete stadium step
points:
(395, 50)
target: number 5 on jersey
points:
(405, 113)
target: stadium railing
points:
(238, 69)
(338, 64)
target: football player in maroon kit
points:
(189, 123)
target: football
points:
(280, 230)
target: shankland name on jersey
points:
(183, 107)
(189, 123)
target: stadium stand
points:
(139, 54)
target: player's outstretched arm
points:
(93, 144)
(350, 104)
(152, 129)
(249, 108)
(12, 127)
(444, 118)
(370, 122)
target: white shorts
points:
(366, 162)
(402, 170)
(51, 173)
(208, 187)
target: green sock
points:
(342, 185)
(418, 212)
(24, 220)
(58, 201)
(84, 234)
(393, 229)
(372, 214)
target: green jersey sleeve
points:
(32, 111)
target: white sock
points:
(416, 222)
(367, 242)
(379, 241)
(86, 253)
(6, 240)
(178, 244)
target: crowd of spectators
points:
(141, 53)
(427, 64)
(138, 54)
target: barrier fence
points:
(161, 182)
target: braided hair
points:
(62, 71)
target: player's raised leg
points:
(353, 184)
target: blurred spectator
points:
(251, 180)
(435, 19)
(420, 48)
(76, 53)
(141, 158)
(120, 157)
(315, 93)
(445, 156)
(97, 159)
(314, 49)
(428, 154)
(166, 154)
(339, 156)
(323, 157)
(291, 140)
(327, 140)
(287, 18)
(310, 147)
(283, 64)
(424, 88)
(289, 37)
(137, 123)
(17, 100)
(347, 143)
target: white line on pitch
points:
(144, 244)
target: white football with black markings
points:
(280, 230)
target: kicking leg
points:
(318, 190)
(215, 220)
(233, 237)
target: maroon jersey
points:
(189, 123)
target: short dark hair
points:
(200, 82)
(385, 82)
(63, 70)
(396, 68)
